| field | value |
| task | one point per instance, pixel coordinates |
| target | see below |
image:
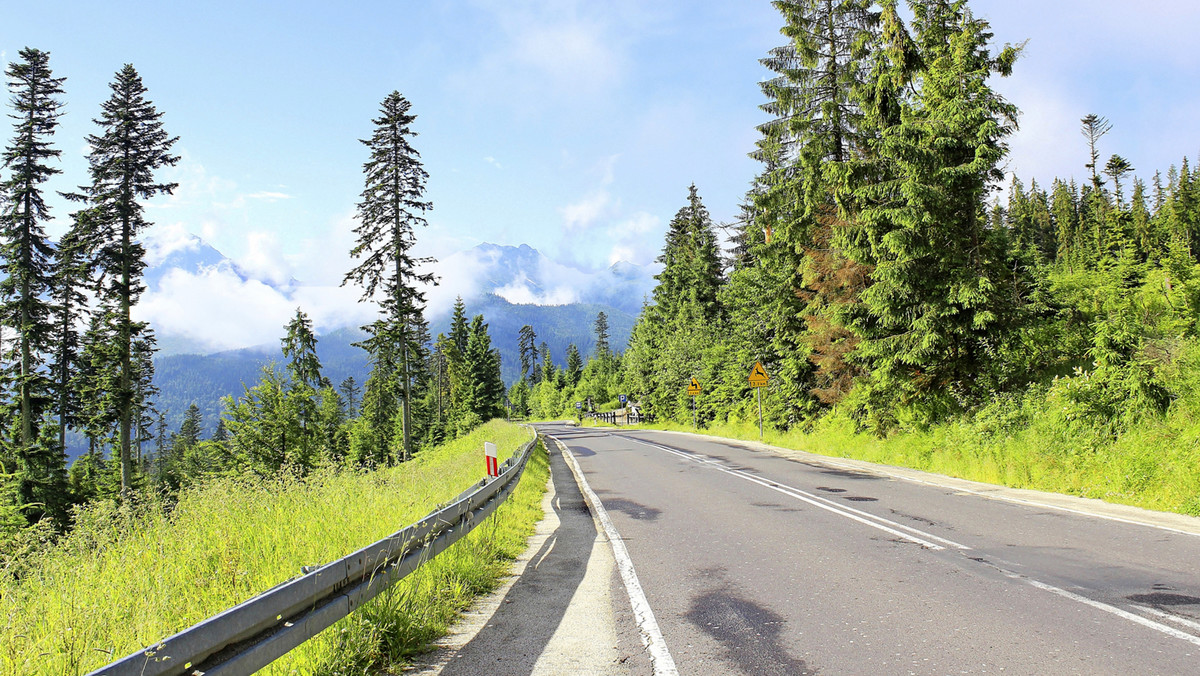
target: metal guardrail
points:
(256, 632)
(620, 418)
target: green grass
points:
(127, 577)
(1153, 464)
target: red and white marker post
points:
(489, 453)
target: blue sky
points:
(572, 126)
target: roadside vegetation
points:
(913, 304)
(131, 573)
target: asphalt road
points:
(756, 563)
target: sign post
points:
(693, 391)
(759, 380)
(489, 454)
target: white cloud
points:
(197, 187)
(493, 161)
(264, 259)
(584, 213)
(522, 293)
(165, 239)
(325, 259)
(1048, 142)
(635, 239)
(567, 51)
(268, 195)
(216, 308)
(334, 307)
(571, 52)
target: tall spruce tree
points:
(574, 365)
(1093, 127)
(487, 388)
(527, 353)
(350, 391)
(391, 209)
(124, 156)
(71, 279)
(304, 371)
(300, 349)
(26, 263)
(936, 306)
(815, 149)
(603, 351)
(691, 261)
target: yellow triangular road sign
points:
(694, 387)
(758, 375)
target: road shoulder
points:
(1169, 521)
(555, 613)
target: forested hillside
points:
(186, 379)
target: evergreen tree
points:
(1065, 208)
(548, 369)
(371, 437)
(181, 460)
(936, 307)
(459, 328)
(603, 351)
(71, 272)
(97, 379)
(131, 146)
(300, 347)
(392, 207)
(691, 261)
(487, 388)
(527, 353)
(264, 426)
(1094, 127)
(25, 262)
(830, 101)
(221, 434)
(574, 365)
(350, 390)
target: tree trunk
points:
(23, 329)
(125, 400)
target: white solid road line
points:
(1195, 626)
(1169, 631)
(914, 535)
(652, 638)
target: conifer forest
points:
(885, 270)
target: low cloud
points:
(164, 240)
(264, 259)
(216, 308)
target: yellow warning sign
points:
(694, 387)
(758, 375)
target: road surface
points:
(755, 563)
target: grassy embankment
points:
(125, 578)
(1153, 463)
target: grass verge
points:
(1151, 465)
(129, 576)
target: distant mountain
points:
(510, 285)
(174, 249)
(204, 379)
(557, 325)
(523, 275)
